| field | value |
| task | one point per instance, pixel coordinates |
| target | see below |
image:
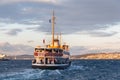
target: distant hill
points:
(115, 55)
(21, 57)
(25, 57)
(15, 49)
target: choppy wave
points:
(79, 70)
(38, 74)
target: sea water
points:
(79, 70)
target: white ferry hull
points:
(50, 66)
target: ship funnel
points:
(56, 43)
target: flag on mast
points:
(49, 20)
(43, 41)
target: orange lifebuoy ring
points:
(35, 54)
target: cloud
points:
(108, 30)
(30, 41)
(87, 17)
(14, 32)
(99, 33)
(78, 50)
(14, 29)
(102, 34)
(16, 1)
(71, 16)
(18, 49)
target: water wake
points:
(27, 74)
(58, 72)
(75, 67)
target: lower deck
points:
(51, 66)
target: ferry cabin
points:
(50, 56)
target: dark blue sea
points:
(79, 70)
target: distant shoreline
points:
(98, 56)
(91, 56)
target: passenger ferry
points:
(52, 56)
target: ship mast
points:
(60, 40)
(53, 22)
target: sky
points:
(87, 26)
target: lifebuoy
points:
(35, 54)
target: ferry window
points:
(36, 49)
(60, 51)
(41, 49)
(50, 50)
(56, 50)
(53, 50)
(46, 49)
